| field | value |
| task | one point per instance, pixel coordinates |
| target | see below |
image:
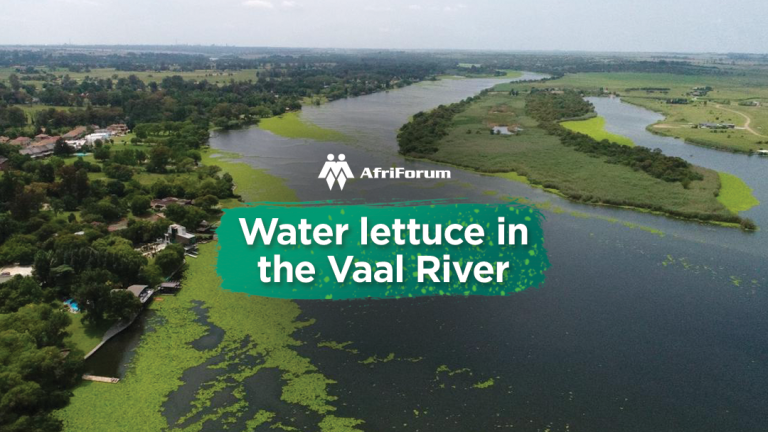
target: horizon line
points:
(255, 47)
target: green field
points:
(720, 105)
(214, 76)
(595, 127)
(735, 194)
(291, 125)
(85, 337)
(543, 161)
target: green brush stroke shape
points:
(237, 261)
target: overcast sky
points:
(593, 25)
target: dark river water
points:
(632, 331)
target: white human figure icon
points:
(338, 170)
(343, 171)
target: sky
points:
(567, 25)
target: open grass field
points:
(544, 161)
(214, 76)
(735, 194)
(595, 127)
(291, 125)
(750, 134)
(725, 103)
(85, 338)
(33, 109)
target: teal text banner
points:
(353, 269)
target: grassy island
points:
(569, 163)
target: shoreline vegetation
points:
(252, 326)
(595, 128)
(731, 96)
(575, 165)
(292, 125)
(735, 194)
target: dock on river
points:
(95, 378)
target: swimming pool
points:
(72, 305)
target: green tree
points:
(46, 325)
(170, 259)
(159, 158)
(15, 82)
(140, 205)
(19, 291)
(35, 378)
(101, 153)
(188, 216)
(122, 305)
(92, 294)
(207, 202)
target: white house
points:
(103, 136)
(77, 143)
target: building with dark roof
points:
(21, 141)
(142, 292)
(75, 133)
(38, 151)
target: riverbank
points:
(687, 101)
(541, 158)
(256, 336)
(682, 121)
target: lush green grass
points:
(33, 109)
(291, 125)
(595, 127)
(541, 159)
(680, 122)
(85, 337)
(721, 105)
(735, 194)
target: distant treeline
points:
(560, 64)
(550, 108)
(278, 84)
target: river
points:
(632, 331)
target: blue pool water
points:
(72, 304)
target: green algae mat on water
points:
(735, 194)
(254, 327)
(595, 128)
(291, 125)
(250, 183)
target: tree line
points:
(549, 108)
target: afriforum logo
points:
(338, 170)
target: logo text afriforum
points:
(338, 171)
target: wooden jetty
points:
(95, 378)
